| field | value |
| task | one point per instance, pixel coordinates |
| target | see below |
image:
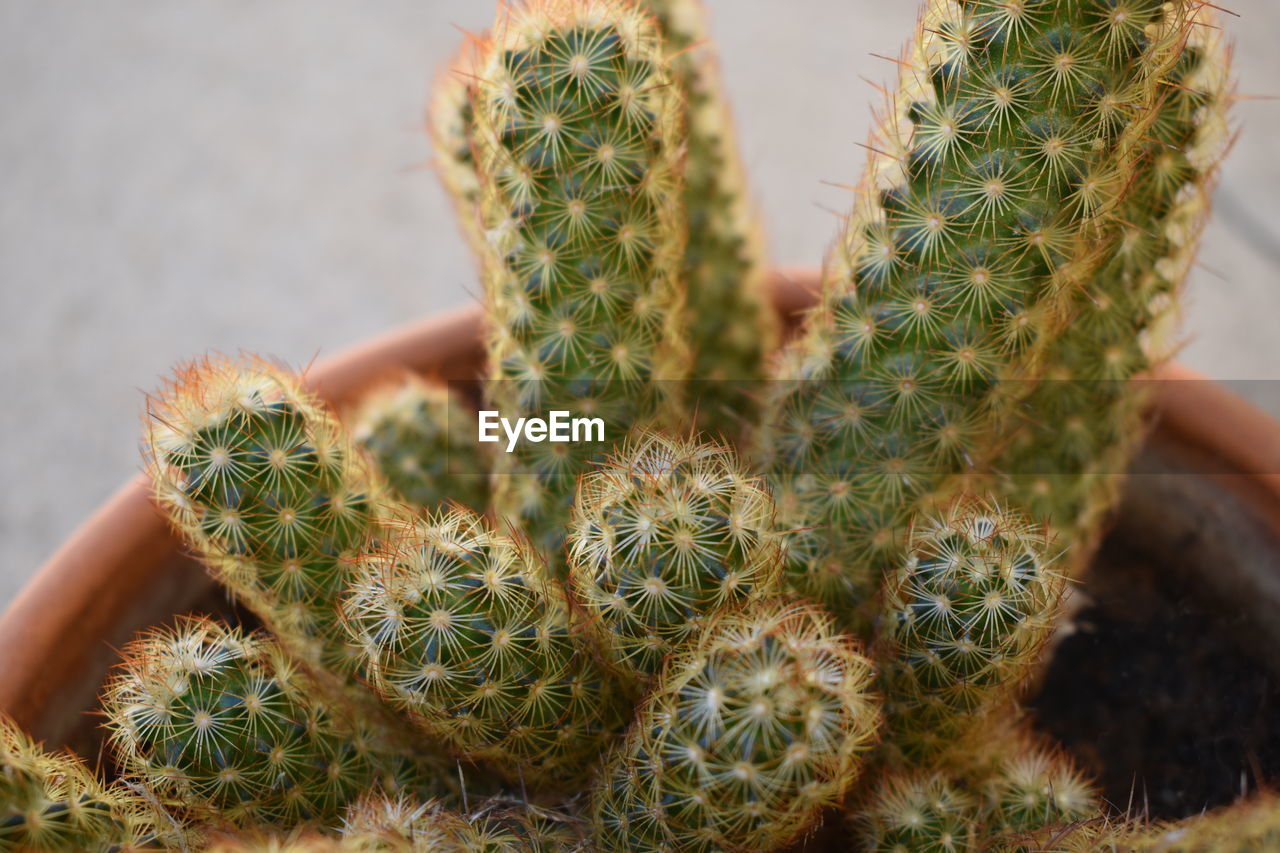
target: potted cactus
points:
(795, 590)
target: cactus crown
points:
(265, 482)
(226, 722)
(461, 628)
(747, 736)
(667, 531)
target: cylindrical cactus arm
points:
(462, 629)
(666, 533)
(731, 326)
(422, 439)
(746, 737)
(228, 728)
(1084, 422)
(51, 802)
(963, 619)
(1002, 156)
(262, 481)
(578, 139)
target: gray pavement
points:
(196, 175)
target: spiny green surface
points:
(1005, 150)
(260, 478)
(1035, 785)
(747, 736)
(227, 727)
(963, 620)
(381, 824)
(1084, 422)
(423, 441)
(462, 629)
(51, 802)
(667, 532)
(917, 813)
(731, 325)
(577, 133)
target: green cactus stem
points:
(919, 813)
(264, 483)
(1002, 159)
(228, 727)
(51, 802)
(666, 533)
(577, 139)
(422, 439)
(1084, 422)
(731, 325)
(462, 629)
(963, 620)
(746, 737)
(379, 823)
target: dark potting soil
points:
(1158, 693)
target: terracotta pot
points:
(1205, 491)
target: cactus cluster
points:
(749, 611)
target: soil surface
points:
(1158, 694)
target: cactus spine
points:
(748, 734)
(462, 629)
(666, 533)
(724, 267)
(1005, 152)
(227, 725)
(578, 138)
(1086, 419)
(260, 478)
(422, 439)
(51, 802)
(964, 617)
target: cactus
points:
(1034, 785)
(964, 616)
(423, 441)
(1004, 153)
(260, 478)
(667, 532)
(450, 126)
(462, 629)
(228, 726)
(729, 313)
(577, 134)
(1084, 423)
(51, 802)
(748, 734)
(921, 813)
(379, 823)
(1249, 826)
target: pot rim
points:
(83, 587)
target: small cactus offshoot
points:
(423, 441)
(462, 629)
(52, 802)
(666, 533)
(745, 738)
(226, 724)
(964, 617)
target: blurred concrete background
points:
(196, 175)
